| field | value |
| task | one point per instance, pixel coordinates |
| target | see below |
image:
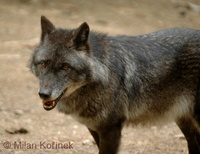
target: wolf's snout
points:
(44, 94)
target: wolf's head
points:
(61, 62)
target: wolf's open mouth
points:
(49, 105)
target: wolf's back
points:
(151, 70)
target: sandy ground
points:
(22, 117)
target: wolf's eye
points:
(65, 68)
(43, 65)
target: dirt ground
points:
(22, 117)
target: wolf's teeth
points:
(49, 107)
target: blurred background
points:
(22, 117)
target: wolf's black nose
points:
(44, 94)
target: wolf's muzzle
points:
(50, 104)
(44, 94)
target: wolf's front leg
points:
(95, 135)
(109, 140)
(190, 127)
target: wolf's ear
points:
(81, 34)
(46, 26)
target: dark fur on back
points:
(112, 81)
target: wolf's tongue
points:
(48, 105)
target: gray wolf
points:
(108, 82)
